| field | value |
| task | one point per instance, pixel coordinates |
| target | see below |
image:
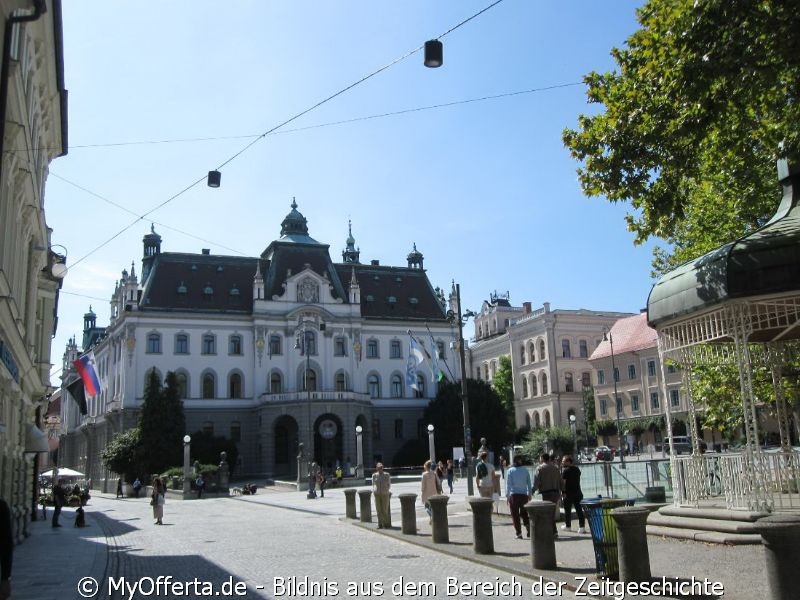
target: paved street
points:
(252, 540)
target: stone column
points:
(350, 503)
(482, 524)
(408, 513)
(365, 500)
(781, 538)
(632, 551)
(440, 533)
(543, 541)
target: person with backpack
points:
(484, 476)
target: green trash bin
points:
(604, 534)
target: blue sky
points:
(485, 189)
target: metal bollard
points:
(781, 538)
(365, 501)
(632, 550)
(440, 532)
(543, 540)
(482, 524)
(408, 513)
(350, 503)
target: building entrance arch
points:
(328, 436)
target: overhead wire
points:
(273, 129)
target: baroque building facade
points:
(33, 132)
(272, 351)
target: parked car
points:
(603, 453)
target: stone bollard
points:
(440, 532)
(781, 538)
(482, 524)
(543, 540)
(632, 551)
(350, 503)
(365, 501)
(408, 513)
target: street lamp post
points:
(464, 398)
(585, 422)
(607, 336)
(359, 451)
(574, 437)
(187, 473)
(304, 342)
(431, 448)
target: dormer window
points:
(208, 290)
(370, 298)
(182, 289)
(392, 300)
(413, 301)
(234, 290)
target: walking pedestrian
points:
(518, 494)
(200, 484)
(430, 485)
(157, 500)
(547, 480)
(381, 486)
(450, 470)
(322, 479)
(571, 484)
(484, 476)
(119, 487)
(59, 500)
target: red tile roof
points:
(629, 334)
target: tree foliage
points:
(503, 384)
(162, 424)
(486, 414)
(704, 99)
(206, 448)
(122, 454)
(555, 440)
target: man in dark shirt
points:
(6, 550)
(59, 500)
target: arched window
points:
(235, 385)
(209, 385)
(524, 387)
(275, 383)
(397, 387)
(544, 384)
(531, 353)
(541, 349)
(374, 386)
(536, 422)
(420, 391)
(183, 385)
(310, 381)
(235, 345)
(181, 344)
(534, 386)
(547, 419)
(568, 383)
(522, 355)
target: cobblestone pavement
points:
(314, 552)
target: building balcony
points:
(316, 396)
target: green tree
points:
(486, 412)
(604, 429)
(206, 448)
(122, 454)
(162, 424)
(557, 440)
(703, 101)
(503, 384)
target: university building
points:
(272, 351)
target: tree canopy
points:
(705, 98)
(503, 384)
(162, 424)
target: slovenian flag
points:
(85, 368)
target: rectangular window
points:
(616, 373)
(654, 402)
(631, 371)
(376, 429)
(395, 350)
(372, 349)
(154, 344)
(635, 403)
(339, 347)
(586, 379)
(583, 348)
(601, 377)
(674, 398)
(619, 405)
(235, 345)
(603, 406)
(274, 345)
(181, 344)
(398, 429)
(236, 431)
(565, 350)
(209, 344)
(651, 368)
(440, 350)
(671, 368)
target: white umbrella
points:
(63, 472)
